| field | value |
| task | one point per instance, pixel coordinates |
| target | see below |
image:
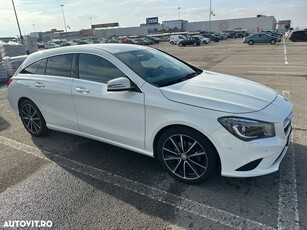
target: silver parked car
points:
(261, 38)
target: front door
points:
(112, 116)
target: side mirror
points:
(119, 84)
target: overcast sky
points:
(43, 15)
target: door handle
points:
(39, 85)
(82, 90)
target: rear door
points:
(50, 90)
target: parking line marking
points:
(190, 206)
(288, 214)
(301, 74)
(285, 52)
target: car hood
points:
(221, 92)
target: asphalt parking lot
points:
(79, 183)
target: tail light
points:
(9, 82)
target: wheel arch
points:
(20, 101)
(162, 130)
(26, 98)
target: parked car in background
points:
(129, 41)
(51, 45)
(212, 37)
(143, 41)
(40, 45)
(298, 36)
(144, 100)
(261, 38)
(154, 40)
(240, 35)
(174, 39)
(272, 33)
(195, 41)
(83, 42)
(203, 40)
(232, 35)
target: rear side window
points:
(42, 67)
(31, 69)
(98, 69)
(60, 65)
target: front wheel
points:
(195, 44)
(186, 155)
(251, 42)
(32, 119)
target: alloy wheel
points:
(31, 119)
(185, 157)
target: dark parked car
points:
(153, 39)
(212, 37)
(232, 35)
(195, 41)
(299, 35)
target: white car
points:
(175, 39)
(147, 101)
(51, 45)
(203, 39)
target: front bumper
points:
(258, 157)
(249, 159)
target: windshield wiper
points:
(183, 78)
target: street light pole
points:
(91, 22)
(64, 17)
(210, 18)
(179, 12)
(21, 37)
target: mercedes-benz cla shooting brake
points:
(150, 102)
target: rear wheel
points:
(33, 119)
(186, 155)
(251, 42)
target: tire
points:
(180, 44)
(195, 44)
(172, 43)
(204, 42)
(273, 41)
(32, 119)
(251, 42)
(186, 155)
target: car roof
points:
(110, 48)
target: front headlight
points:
(247, 129)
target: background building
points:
(251, 25)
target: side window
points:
(42, 67)
(60, 65)
(98, 69)
(31, 69)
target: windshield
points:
(156, 67)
